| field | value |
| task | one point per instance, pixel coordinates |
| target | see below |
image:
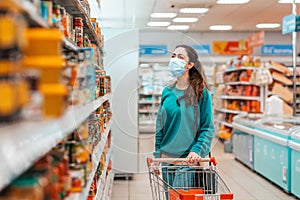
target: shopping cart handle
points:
(179, 160)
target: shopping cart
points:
(174, 179)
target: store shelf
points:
(96, 156)
(150, 94)
(108, 186)
(70, 45)
(75, 8)
(147, 111)
(240, 69)
(230, 111)
(149, 102)
(239, 83)
(103, 177)
(148, 122)
(223, 122)
(23, 143)
(32, 13)
(238, 97)
(149, 128)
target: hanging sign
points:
(256, 39)
(153, 50)
(288, 24)
(277, 49)
(202, 49)
(231, 47)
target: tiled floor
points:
(244, 183)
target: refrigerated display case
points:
(294, 145)
(272, 156)
(242, 139)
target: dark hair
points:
(197, 78)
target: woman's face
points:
(180, 53)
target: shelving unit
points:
(231, 96)
(75, 8)
(153, 78)
(25, 142)
(28, 141)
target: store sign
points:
(231, 47)
(288, 24)
(277, 49)
(297, 23)
(153, 49)
(202, 49)
(257, 39)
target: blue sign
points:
(277, 49)
(153, 49)
(297, 23)
(288, 24)
(202, 49)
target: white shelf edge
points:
(240, 68)
(29, 9)
(96, 156)
(237, 97)
(239, 83)
(109, 183)
(100, 185)
(231, 111)
(223, 122)
(149, 102)
(23, 143)
(69, 44)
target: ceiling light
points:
(158, 23)
(220, 27)
(267, 25)
(194, 10)
(163, 15)
(232, 1)
(288, 1)
(185, 19)
(178, 27)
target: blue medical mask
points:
(176, 67)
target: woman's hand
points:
(193, 158)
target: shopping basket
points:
(174, 179)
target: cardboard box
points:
(281, 78)
(287, 110)
(282, 92)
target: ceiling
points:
(136, 13)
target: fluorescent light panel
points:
(194, 10)
(158, 23)
(163, 15)
(267, 25)
(288, 1)
(185, 19)
(232, 1)
(223, 27)
(178, 27)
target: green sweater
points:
(175, 135)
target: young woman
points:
(184, 125)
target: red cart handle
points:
(179, 160)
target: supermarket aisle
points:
(244, 183)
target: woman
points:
(184, 125)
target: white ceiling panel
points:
(136, 13)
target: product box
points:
(287, 110)
(282, 92)
(281, 78)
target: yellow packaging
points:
(54, 103)
(9, 101)
(43, 42)
(22, 89)
(50, 67)
(8, 67)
